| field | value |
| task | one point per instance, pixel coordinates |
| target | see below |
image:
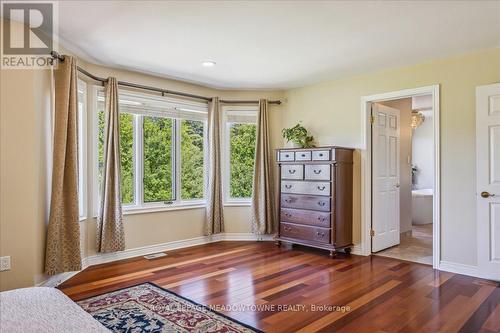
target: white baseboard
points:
(103, 258)
(55, 280)
(357, 250)
(141, 251)
(457, 268)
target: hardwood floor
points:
(377, 294)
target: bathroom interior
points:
(416, 180)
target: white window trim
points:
(225, 146)
(82, 159)
(139, 206)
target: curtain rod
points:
(164, 92)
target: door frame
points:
(366, 166)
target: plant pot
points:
(291, 144)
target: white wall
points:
(422, 149)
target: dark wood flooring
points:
(373, 294)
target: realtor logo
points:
(27, 34)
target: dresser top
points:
(316, 148)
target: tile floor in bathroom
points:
(416, 248)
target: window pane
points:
(242, 156)
(126, 152)
(157, 159)
(192, 174)
(127, 157)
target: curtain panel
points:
(110, 231)
(63, 253)
(263, 190)
(215, 216)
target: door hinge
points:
(372, 119)
(372, 232)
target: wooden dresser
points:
(316, 197)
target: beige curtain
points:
(110, 233)
(62, 252)
(262, 192)
(215, 216)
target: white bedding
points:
(43, 310)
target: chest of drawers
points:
(315, 198)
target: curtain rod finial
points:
(57, 56)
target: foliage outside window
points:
(192, 159)
(157, 159)
(162, 152)
(242, 159)
(126, 154)
(239, 162)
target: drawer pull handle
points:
(288, 186)
(320, 154)
(321, 234)
(287, 155)
(321, 188)
(321, 218)
(303, 155)
(322, 203)
(291, 171)
(288, 200)
(317, 171)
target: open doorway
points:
(414, 181)
(401, 175)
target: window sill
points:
(145, 210)
(238, 204)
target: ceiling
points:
(273, 44)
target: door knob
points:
(398, 185)
(485, 194)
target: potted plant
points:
(299, 136)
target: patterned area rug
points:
(150, 308)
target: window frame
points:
(226, 151)
(139, 206)
(82, 150)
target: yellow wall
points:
(332, 111)
(23, 191)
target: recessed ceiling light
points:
(208, 63)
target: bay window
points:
(162, 147)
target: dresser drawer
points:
(298, 187)
(286, 156)
(303, 155)
(320, 235)
(292, 171)
(308, 217)
(305, 202)
(317, 172)
(321, 155)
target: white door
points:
(385, 177)
(488, 180)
